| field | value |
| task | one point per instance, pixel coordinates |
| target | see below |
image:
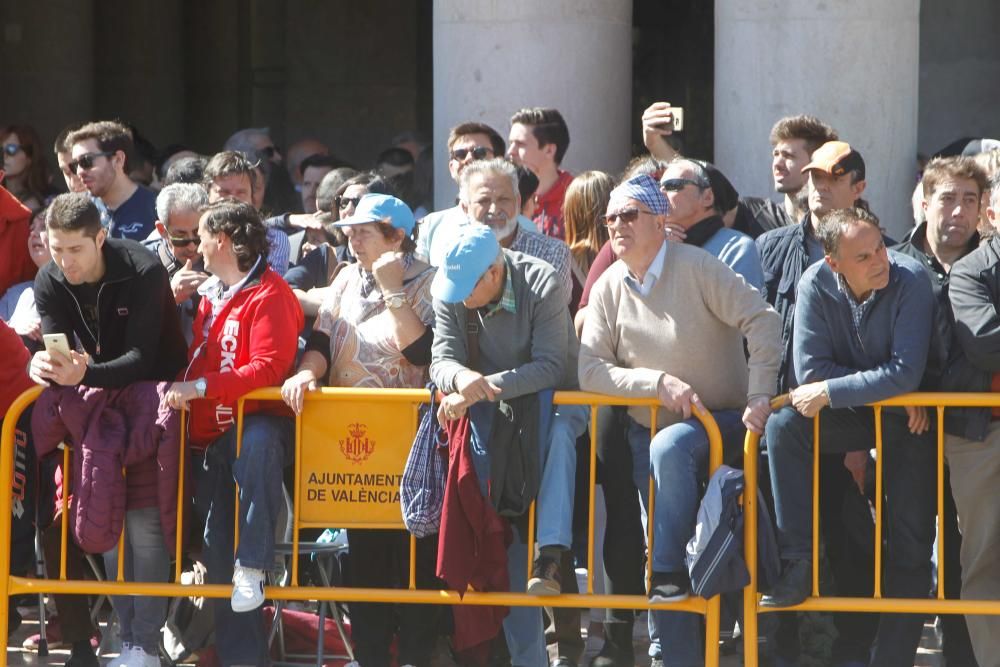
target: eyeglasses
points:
(627, 216)
(181, 241)
(86, 161)
(478, 153)
(678, 184)
(11, 149)
(268, 151)
(344, 202)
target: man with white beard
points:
(488, 195)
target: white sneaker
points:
(139, 658)
(124, 658)
(248, 588)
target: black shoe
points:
(617, 650)
(793, 587)
(545, 577)
(669, 587)
(82, 659)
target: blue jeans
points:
(677, 459)
(147, 559)
(266, 449)
(558, 484)
(909, 481)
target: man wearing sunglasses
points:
(693, 217)
(99, 154)
(467, 142)
(669, 321)
(178, 209)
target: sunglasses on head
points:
(181, 241)
(628, 216)
(678, 184)
(11, 149)
(344, 202)
(86, 161)
(478, 153)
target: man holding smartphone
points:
(113, 295)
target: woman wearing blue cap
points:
(375, 329)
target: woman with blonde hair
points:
(583, 213)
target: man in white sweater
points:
(668, 321)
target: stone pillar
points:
(491, 59)
(852, 63)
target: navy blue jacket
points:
(887, 358)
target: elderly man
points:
(525, 340)
(178, 208)
(863, 324)
(973, 433)
(693, 216)
(668, 322)
(489, 195)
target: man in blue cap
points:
(515, 305)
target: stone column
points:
(852, 63)
(492, 58)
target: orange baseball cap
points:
(836, 158)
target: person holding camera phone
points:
(112, 296)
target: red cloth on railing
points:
(472, 547)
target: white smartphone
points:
(56, 342)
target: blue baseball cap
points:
(464, 263)
(381, 208)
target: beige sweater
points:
(691, 326)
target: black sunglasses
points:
(478, 153)
(86, 161)
(268, 151)
(12, 149)
(181, 241)
(628, 216)
(344, 202)
(678, 184)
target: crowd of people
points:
(186, 282)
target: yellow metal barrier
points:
(374, 428)
(877, 603)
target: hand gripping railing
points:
(877, 603)
(316, 414)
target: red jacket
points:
(14, 370)
(15, 221)
(251, 344)
(472, 548)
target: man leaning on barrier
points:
(113, 296)
(863, 323)
(245, 338)
(973, 441)
(526, 344)
(668, 321)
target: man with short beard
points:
(100, 153)
(489, 195)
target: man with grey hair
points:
(972, 445)
(488, 195)
(178, 208)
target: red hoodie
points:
(14, 378)
(15, 224)
(251, 344)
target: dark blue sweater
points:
(889, 355)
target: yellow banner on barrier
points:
(351, 453)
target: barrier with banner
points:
(350, 448)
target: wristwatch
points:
(200, 386)
(395, 300)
